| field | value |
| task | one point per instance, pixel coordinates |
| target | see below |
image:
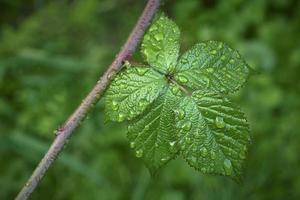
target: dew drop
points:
(203, 169)
(147, 127)
(174, 30)
(210, 70)
(227, 167)
(180, 114)
(223, 58)
(142, 103)
(139, 153)
(220, 122)
(214, 52)
(131, 113)
(159, 36)
(142, 70)
(187, 126)
(164, 159)
(121, 117)
(231, 61)
(132, 145)
(172, 143)
(114, 105)
(175, 90)
(183, 79)
(203, 151)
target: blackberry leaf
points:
(152, 135)
(131, 92)
(212, 66)
(160, 45)
(213, 134)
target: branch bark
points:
(65, 131)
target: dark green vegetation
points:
(52, 53)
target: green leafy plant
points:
(179, 106)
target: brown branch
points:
(65, 131)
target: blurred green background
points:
(52, 53)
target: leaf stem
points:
(65, 131)
(182, 88)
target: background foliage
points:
(52, 52)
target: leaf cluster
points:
(179, 105)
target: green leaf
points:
(152, 135)
(131, 92)
(212, 66)
(161, 44)
(213, 134)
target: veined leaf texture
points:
(179, 106)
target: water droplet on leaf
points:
(210, 70)
(164, 159)
(220, 122)
(131, 113)
(187, 126)
(180, 114)
(182, 79)
(143, 104)
(203, 169)
(174, 30)
(132, 144)
(159, 36)
(175, 90)
(147, 127)
(214, 52)
(139, 153)
(172, 143)
(121, 117)
(114, 105)
(227, 167)
(142, 70)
